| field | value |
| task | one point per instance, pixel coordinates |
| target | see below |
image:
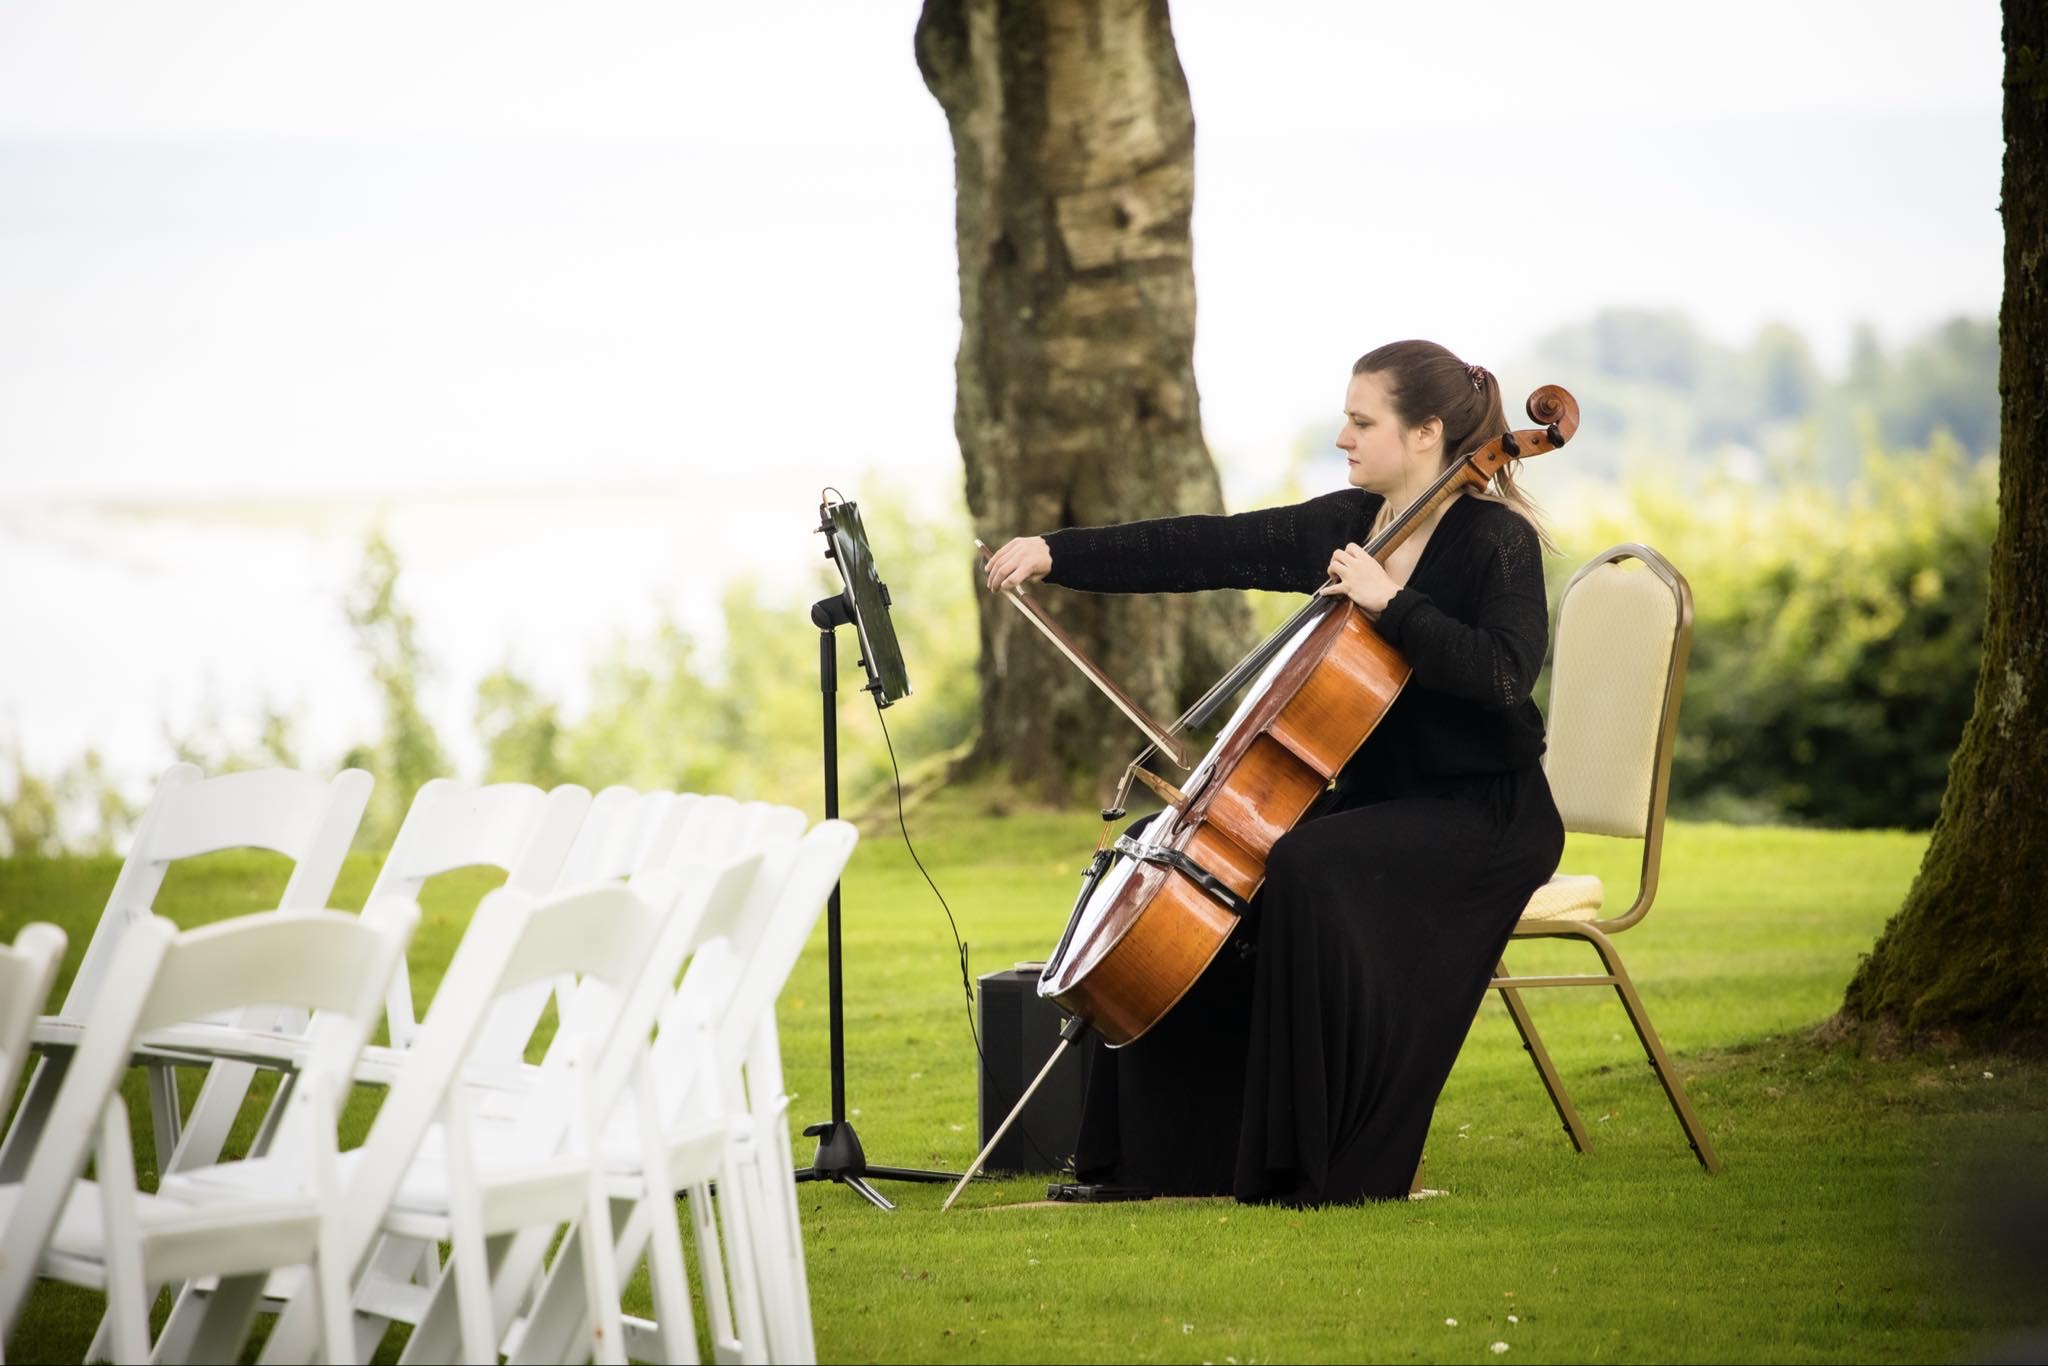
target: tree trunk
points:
(1073, 146)
(1967, 953)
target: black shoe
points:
(1095, 1192)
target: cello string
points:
(1245, 669)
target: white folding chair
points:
(711, 890)
(27, 969)
(749, 1050)
(309, 820)
(697, 1133)
(411, 1185)
(105, 1234)
(702, 1135)
(690, 839)
(718, 1080)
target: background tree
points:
(1968, 951)
(408, 753)
(1073, 147)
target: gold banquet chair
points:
(1624, 634)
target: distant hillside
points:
(1654, 389)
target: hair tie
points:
(1477, 374)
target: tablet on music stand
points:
(867, 599)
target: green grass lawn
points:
(1846, 1224)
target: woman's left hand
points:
(1362, 579)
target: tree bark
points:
(1074, 159)
(1967, 954)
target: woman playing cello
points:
(1303, 1066)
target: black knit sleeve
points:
(1283, 549)
(1493, 659)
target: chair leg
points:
(205, 1131)
(718, 1308)
(1660, 1061)
(127, 1310)
(607, 1344)
(230, 1314)
(165, 1111)
(44, 1081)
(1532, 1043)
(557, 1321)
(663, 1246)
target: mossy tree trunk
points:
(1073, 148)
(1967, 954)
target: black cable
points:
(966, 982)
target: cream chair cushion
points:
(1568, 896)
(1615, 629)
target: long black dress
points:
(1305, 1064)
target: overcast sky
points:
(252, 248)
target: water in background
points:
(126, 624)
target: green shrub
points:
(1836, 636)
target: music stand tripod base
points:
(840, 1159)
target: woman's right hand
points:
(1022, 560)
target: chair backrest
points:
(820, 858)
(730, 933)
(608, 842)
(450, 825)
(307, 819)
(627, 834)
(1623, 637)
(772, 831)
(513, 826)
(700, 836)
(27, 969)
(322, 961)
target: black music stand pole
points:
(839, 1153)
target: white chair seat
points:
(1568, 896)
(424, 1189)
(269, 1230)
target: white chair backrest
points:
(309, 820)
(450, 825)
(611, 831)
(717, 828)
(705, 890)
(820, 859)
(513, 826)
(776, 831)
(323, 961)
(27, 969)
(1623, 628)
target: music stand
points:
(864, 605)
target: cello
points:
(1156, 907)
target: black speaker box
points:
(1019, 1030)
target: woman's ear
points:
(1430, 435)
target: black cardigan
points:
(1472, 619)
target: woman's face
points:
(1385, 456)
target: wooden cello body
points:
(1156, 908)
